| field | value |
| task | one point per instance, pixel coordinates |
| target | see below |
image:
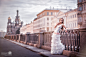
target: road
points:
(9, 49)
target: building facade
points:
(56, 18)
(26, 29)
(43, 21)
(81, 13)
(14, 27)
(47, 19)
(70, 19)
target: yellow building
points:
(47, 19)
(26, 29)
(43, 21)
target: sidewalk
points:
(40, 51)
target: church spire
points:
(17, 12)
(17, 16)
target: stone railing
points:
(70, 39)
(32, 39)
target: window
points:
(51, 13)
(80, 0)
(75, 15)
(47, 28)
(47, 13)
(80, 8)
(47, 18)
(75, 24)
(47, 24)
(80, 19)
(84, 6)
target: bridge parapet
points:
(71, 39)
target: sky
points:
(28, 9)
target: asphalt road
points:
(9, 49)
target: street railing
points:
(32, 38)
(70, 39)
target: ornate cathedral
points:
(14, 27)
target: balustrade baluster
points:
(71, 41)
(65, 40)
(75, 42)
(78, 41)
(66, 43)
(68, 40)
(45, 39)
(12, 37)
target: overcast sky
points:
(28, 9)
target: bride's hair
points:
(62, 22)
(61, 19)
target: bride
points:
(56, 46)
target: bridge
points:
(72, 40)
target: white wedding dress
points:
(56, 46)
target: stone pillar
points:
(19, 38)
(13, 37)
(16, 37)
(26, 36)
(83, 40)
(40, 40)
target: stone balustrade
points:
(70, 39)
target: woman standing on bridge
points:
(56, 46)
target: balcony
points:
(80, 9)
(80, 21)
(84, 11)
(79, 13)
